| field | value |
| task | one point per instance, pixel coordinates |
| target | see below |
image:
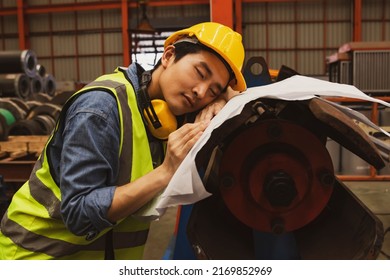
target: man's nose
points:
(200, 90)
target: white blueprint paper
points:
(186, 186)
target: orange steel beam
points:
(270, 1)
(125, 33)
(364, 177)
(163, 3)
(222, 11)
(8, 11)
(357, 20)
(238, 15)
(60, 8)
(21, 25)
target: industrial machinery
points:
(274, 191)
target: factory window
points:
(147, 49)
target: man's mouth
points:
(189, 100)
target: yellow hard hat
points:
(223, 40)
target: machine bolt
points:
(227, 181)
(279, 188)
(277, 226)
(326, 178)
(274, 131)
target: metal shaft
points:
(14, 85)
(17, 61)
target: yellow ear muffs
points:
(166, 118)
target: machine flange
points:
(276, 176)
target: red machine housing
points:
(276, 176)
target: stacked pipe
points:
(30, 117)
(28, 105)
(48, 83)
(21, 76)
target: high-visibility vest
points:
(32, 227)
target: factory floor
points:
(374, 194)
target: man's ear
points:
(168, 56)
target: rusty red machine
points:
(275, 194)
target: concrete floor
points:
(374, 194)
(160, 235)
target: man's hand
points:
(216, 106)
(180, 143)
(130, 197)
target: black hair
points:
(183, 48)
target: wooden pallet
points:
(20, 146)
(18, 156)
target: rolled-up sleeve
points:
(89, 162)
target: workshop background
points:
(64, 44)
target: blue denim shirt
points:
(85, 159)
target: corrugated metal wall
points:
(376, 20)
(79, 46)
(302, 34)
(84, 44)
(297, 34)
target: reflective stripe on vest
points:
(33, 219)
(59, 248)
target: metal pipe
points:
(36, 84)
(17, 61)
(41, 70)
(49, 85)
(14, 85)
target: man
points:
(105, 159)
